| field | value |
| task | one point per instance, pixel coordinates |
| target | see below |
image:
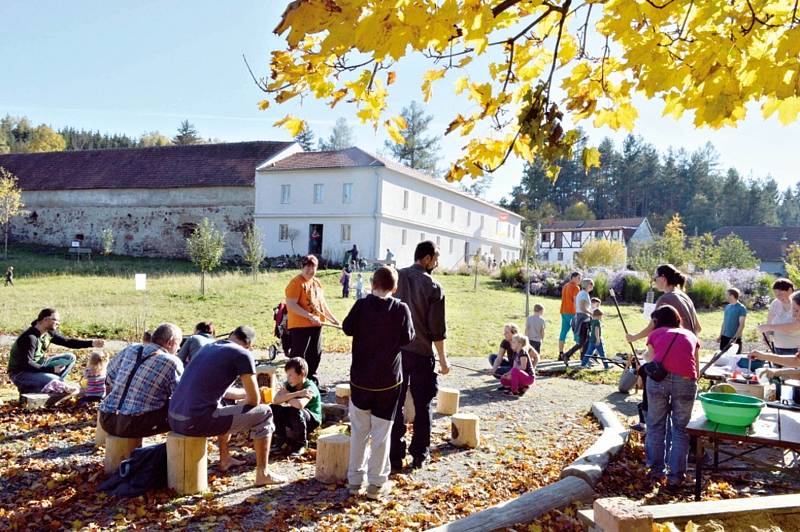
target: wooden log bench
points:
(681, 513)
(117, 450)
(447, 401)
(333, 456)
(187, 463)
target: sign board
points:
(141, 281)
(76, 244)
(648, 309)
(503, 216)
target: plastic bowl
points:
(731, 408)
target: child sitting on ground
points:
(595, 340)
(296, 409)
(521, 375)
(379, 325)
(93, 384)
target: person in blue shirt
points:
(733, 321)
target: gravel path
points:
(525, 443)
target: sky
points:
(134, 67)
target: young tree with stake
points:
(205, 247)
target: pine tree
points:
(187, 134)
(419, 150)
(341, 137)
(305, 139)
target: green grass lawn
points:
(97, 299)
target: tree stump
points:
(333, 456)
(187, 463)
(465, 430)
(447, 401)
(343, 394)
(408, 408)
(117, 450)
(100, 433)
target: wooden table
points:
(777, 428)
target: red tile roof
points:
(200, 165)
(768, 243)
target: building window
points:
(424, 204)
(469, 218)
(439, 211)
(286, 193)
(347, 193)
(345, 232)
(545, 237)
(283, 232)
(576, 236)
(421, 237)
(319, 192)
(438, 241)
(451, 245)
(615, 234)
(598, 234)
(452, 214)
(403, 237)
(482, 220)
(405, 200)
(560, 255)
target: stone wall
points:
(151, 223)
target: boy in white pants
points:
(379, 324)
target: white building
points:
(559, 242)
(324, 202)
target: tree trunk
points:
(5, 245)
(202, 282)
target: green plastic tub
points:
(731, 408)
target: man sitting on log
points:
(30, 370)
(297, 409)
(142, 379)
(196, 409)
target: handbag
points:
(655, 369)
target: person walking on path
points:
(28, 367)
(307, 311)
(425, 298)
(568, 293)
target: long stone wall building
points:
(152, 198)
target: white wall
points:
(332, 212)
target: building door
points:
(315, 239)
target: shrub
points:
(635, 288)
(706, 293)
(512, 274)
(607, 253)
(601, 286)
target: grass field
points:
(97, 299)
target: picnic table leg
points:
(698, 468)
(716, 455)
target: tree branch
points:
(261, 84)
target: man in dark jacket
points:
(425, 298)
(28, 366)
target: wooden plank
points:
(679, 513)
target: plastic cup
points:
(266, 395)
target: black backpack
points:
(145, 470)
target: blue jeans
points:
(504, 366)
(34, 381)
(592, 347)
(669, 400)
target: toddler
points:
(359, 286)
(344, 280)
(93, 383)
(595, 340)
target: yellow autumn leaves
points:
(710, 59)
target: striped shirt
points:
(95, 384)
(152, 384)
